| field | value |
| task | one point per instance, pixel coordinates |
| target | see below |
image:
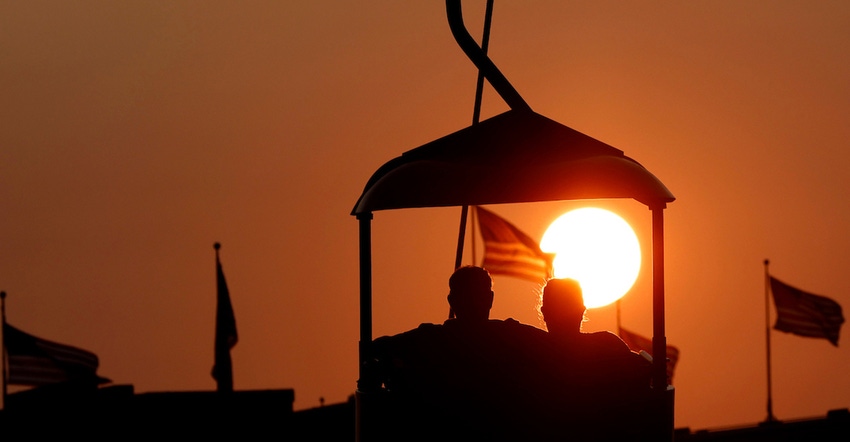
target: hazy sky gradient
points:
(135, 134)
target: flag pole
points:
(460, 241)
(460, 236)
(770, 417)
(3, 351)
(485, 43)
(476, 115)
(474, 220)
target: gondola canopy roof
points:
(518, 156)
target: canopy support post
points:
(662, 392)
(659, 340)
(365, 220)
(365, 415)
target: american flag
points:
(805, 314)
(509, 251)
(35, 362)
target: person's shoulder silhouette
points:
(434, 356)
(477, 338)
(596, 370)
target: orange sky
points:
(136, 134)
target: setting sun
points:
(599, 249)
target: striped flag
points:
(509, 251)
(805, 314)
(637, 343)
(35, 362)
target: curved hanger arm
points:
(499, 82)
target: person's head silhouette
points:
(471, 293)
(563, 306)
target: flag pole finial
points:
(217, 245)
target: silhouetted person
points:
(594, 375)
(468, 375)
(417, 358)
(563, 311)
(470, 294)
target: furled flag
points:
(637, 343)
(36, 362)
(225, 331)
(805, 314)
(509, 251)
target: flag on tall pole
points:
(805, 314)
(225, 331)
(509, 251)
(799, 313)
(37, 362)
(770, 416)
(638, 343)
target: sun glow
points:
(597, 248)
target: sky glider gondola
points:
(516, 157)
